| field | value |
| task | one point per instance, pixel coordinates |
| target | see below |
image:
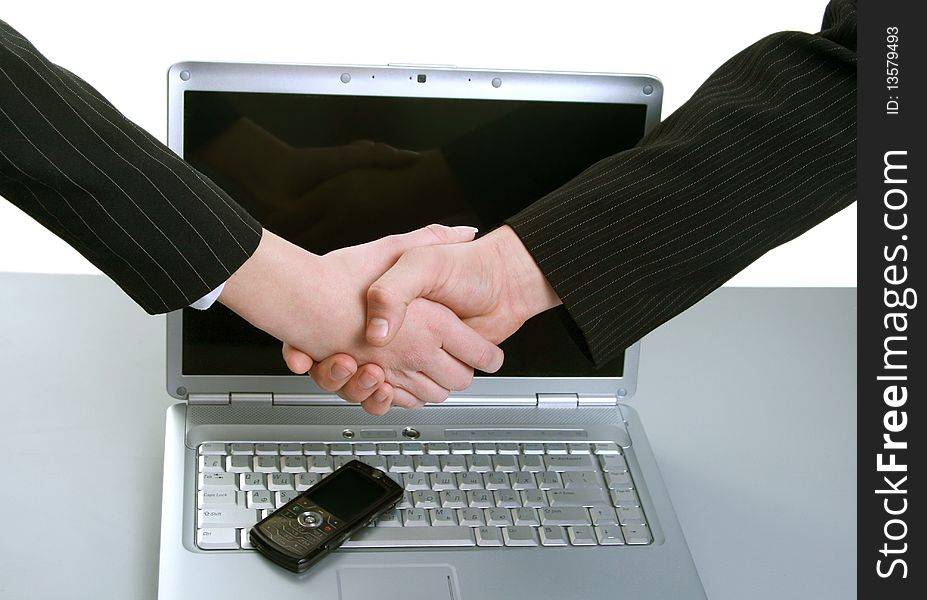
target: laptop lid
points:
(487, 144)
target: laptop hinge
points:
(237, 398)
(552, 400)
(598, 400)
(208, 399)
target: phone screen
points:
(348, 495)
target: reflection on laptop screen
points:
(472, 162)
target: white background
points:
(125, 48)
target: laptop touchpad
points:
(424, 582)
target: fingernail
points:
(340, 371)
(377, 328)
(467, 228)
(367, 381)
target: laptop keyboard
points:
(456, 494)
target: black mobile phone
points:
(320, 519)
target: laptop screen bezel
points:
(401, 82)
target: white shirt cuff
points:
(209, 299)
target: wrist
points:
(528, 289)
(272, 290)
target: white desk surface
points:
(749, 401)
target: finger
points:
(469, 347)
(380, 401)
(421, 387)
(334, 372)
(333, 161)
(296, 360)
(448, 372)
(405, 399)
(414, 275)
(369, 379)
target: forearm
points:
(763, 151)
(159, 229)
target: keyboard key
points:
(581, 479)
(291, 449)
(242, 449)
(628, 499)
(217, 539)
(279, 481)
(414, 517)
(497, 481)
(400, 464)
(526, 516)
(619, 481)
(533, 498)
(365, 449)
(498, 517)
(636, 535)
(315, 449)
(469, 481)
(505, 463)
(603, 515)
(405, 501)
(453, 499)
(578, 448)
(388, 449)
(553, 535)
(571, 462)
(426, 464)
(438, 448)
(461, 448)
(340, 461)
(211, 449)
(260, 499)
(319, 464)
(443, 517)
(580, 497)
(217, 481)
(238, 463)
(484, 448)
(609, 535)
(556, 448)
(471, 517)
(377, 462)
(479, 463)
(244, 537)
(266, 449)
(480, 499)
(532, 463)
(390, 518)
(453, 464)
(582, 535)
(252, 481)
(226, 517)
(304, 481)
(574, 515)
(523, 481)
(507, 499)
(414, 537)
(340, 449)
(443, 481)
(519, 536)
(425, 499)
(412, 448)
(265, 464)
(281, 498)
(219, 498)
(212, 463)
(507, 448)
(549, 480)
(488, 536)
(607, 448)
(615, 464)
(532, 448)
(293, 464)
(629, 514)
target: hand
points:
(369, 202)
(317, 304)
(492, 283)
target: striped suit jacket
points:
(763, 151)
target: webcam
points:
(422, 78)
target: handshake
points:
(399, 321)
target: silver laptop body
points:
(525, 437)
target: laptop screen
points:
(472, 162)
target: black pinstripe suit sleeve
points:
(161, 230)
(763, 151)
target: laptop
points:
(537, 481)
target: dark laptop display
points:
(450, 161)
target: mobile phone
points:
(319, 520)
